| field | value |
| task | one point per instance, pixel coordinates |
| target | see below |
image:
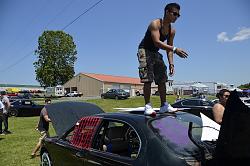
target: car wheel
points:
(45, 159)
(137, 93)
(13, 112)
(102, 97)
(116, 97)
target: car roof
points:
(141, 119)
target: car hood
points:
(234, 137)
(64, 115)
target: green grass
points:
(15, 148)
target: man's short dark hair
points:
(171, 6)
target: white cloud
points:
(243, 34)
(222, 37)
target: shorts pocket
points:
(141, 55)
(143, 72)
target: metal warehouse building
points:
(94, 84)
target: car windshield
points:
(173, 131)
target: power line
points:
(30, 53)
(28, 25)
(87, 10)
(18, 61)
(66, 6)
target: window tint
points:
(206, 103)
(174, 134)
(191, 102)
(118, 138)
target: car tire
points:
(13, 112)
(45, 159)
(116, 97)
(102, 97)
(137, 93)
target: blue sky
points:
(215, 33)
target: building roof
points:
(113, 79)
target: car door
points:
(26, 108)
(116, 143)
(113, 94)
(108, 94)
(64, 153)
(97, 158)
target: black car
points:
(25, 107)
(196, 105)
(115, 94)
(88, 136)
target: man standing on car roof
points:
(151, 64)
(42, 127)
(6, 103)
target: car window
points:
(84, 132)
(206, 103)
(174, 134)
(120, 90)
(191, 103)
(117, 138)
(68, 136)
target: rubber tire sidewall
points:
(45, 155)
(15, 112)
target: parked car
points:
(15, 98)
(88, 136)
(246, 101)
(196, 105)
(215, 101)
(115, 94)
(25, 107)
(74, 94)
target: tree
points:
(245, 86)
(56, 55)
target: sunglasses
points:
(176, 14)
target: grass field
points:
(15, 148)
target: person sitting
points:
(218, 108)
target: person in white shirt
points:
(1, 117)
(6, 104)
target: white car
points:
(73, 94)
(246, 101)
